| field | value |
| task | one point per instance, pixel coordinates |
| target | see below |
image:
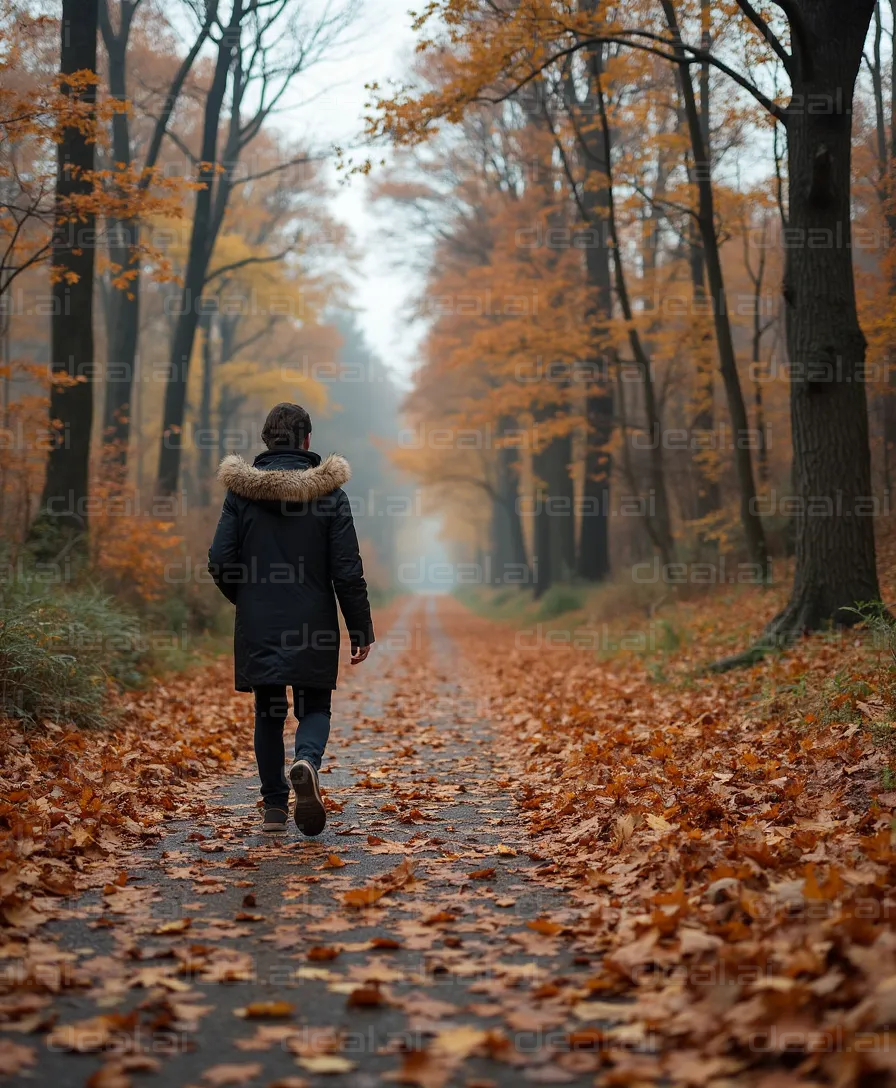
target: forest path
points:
(414, 941)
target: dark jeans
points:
(312, 708)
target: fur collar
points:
(283, 484)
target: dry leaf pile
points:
(74, 803)
(539, 868)
(731, 851)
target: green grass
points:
(64, 651)
(560, 600)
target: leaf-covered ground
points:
(540, 866)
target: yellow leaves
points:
(266, 381)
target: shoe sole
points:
(309, 813)
(274, 828)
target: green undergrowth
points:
(66, 650)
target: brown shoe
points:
(274, 819)
(310, 814)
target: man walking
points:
(285, 550)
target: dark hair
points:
(286, 427)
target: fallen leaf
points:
(232, 1073)
(266, 1010)
(365, 997)
(545, 927)
(326, 1064)
(422, 1069)
(181, 925)
(322, 953)
(15, 1057)
(459, 1042)
(384, 943)
(92, 1034)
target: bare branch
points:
(244, 262)
(766, 31)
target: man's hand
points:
(359, 654)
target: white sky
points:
(380, 50)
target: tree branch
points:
(173, 93)
(693, 55)
(766, 31)
(800, 38)
(298, 161)
(224, 269)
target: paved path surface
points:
(449, 978)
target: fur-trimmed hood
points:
(277, 484)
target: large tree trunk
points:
(65, 492)
(835, 557)
(202, 239)
(594, 529)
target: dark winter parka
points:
(284, 551)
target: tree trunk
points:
(708, 494)
(594, 532)
(509, 549)
(886, 164)
(561, 511)
(835, 555)
(123, 314)
(200, 250)
(204, 466)
(708, 499)
(658, 520)
(65, 492)
(542, 565)
(749, 509)
(594, 529)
